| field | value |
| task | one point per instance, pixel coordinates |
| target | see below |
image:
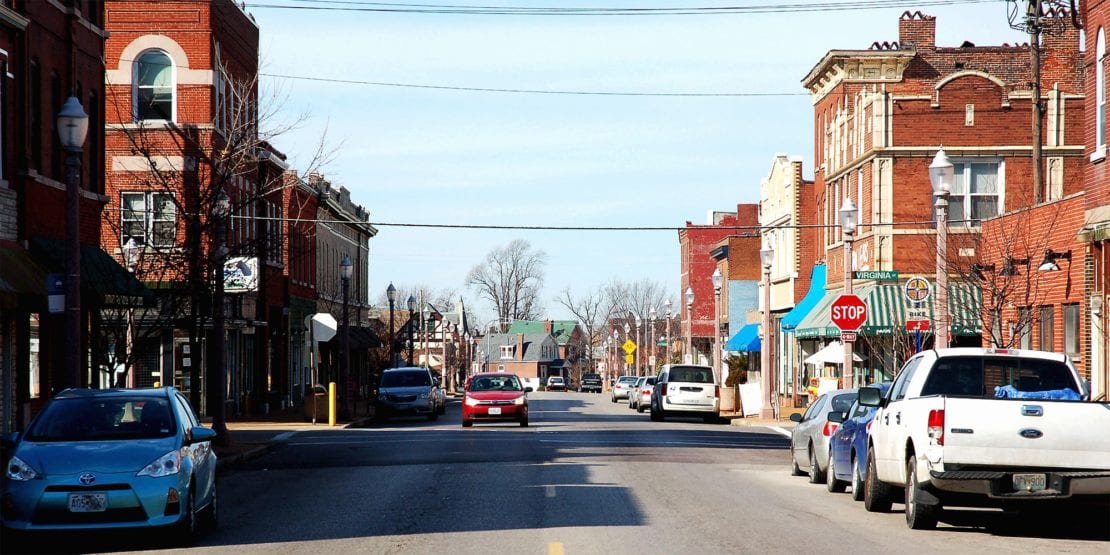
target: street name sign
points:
(884, 275)
(847, 336)
(848, 312)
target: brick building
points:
(1092, 255)
(880, 115)
(696, 243)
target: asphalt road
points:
(587, 476)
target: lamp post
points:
(637, 329)
(411, 304)
(73, 126)
(131, 258)
(424, 334)
(345, 268)
(849, 215)
(611, 372)
(688, 348)
(941, 175)
(718, 280)
(770, 398)
(217, 370)
(627, 332)
(667, 326)
(445, 376)
(391, 294)
(651, 341)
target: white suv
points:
(685, 390)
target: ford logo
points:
(1030, 433)
(87, 479)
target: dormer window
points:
(506, 351)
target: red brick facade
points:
(1094, 250)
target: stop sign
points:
(848, 312)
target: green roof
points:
(561, 329)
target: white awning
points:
(833, 353)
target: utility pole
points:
(1034, 22)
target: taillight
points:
(936, 426)
(829, 429)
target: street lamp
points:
(391, 294)
(73, 125)
(217, 377)
(651, 340)
(627, 330)
(849, 217)
(941, 175)
(424, 334)
(411, 304)
(638, 329)
(345, 268)
(688, 356)
(131, 258)
(770, 397)
(667, 319)
(718, 280)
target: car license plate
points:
(494, 411)
(1029, 482)
(88, 502)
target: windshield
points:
(103, 418)
(628, 379)
(405, 379)
(496, 383)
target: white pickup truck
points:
(985, 428)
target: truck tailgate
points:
(1009, 432)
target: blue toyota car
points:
(108, 459)
(848, 447)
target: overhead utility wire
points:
(383, 7)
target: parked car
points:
(848, 447)
(685, 390)
(590, 382)
(641, 393)
(809, 441)
(556, 383)
(493, 397)
(622, 387)
(111, 458)
(407, 391)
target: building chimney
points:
(519, 354)
(548, 327)
(918, 30)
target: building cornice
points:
(856, 66)
(13, 18)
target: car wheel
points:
(187, 527)
(640, 407)
(434, 415)
(831, 483)
(815, 475)
(613, 398)
(656, 415)
(443, 408)
(876, 495)
(795, 470)
(857, 480)
(918, 515)
(524, 423)
(468, 423)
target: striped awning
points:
(886, 312)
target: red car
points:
(495, 397)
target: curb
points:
(226, 462)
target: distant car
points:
(809, 441)
(111, 459)
(685, 390)
(494, 397)
(848, 447)
(622, 387)
(556, 383)
(407, 391)
(640, 396)
(590, 383)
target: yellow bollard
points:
(331, 403)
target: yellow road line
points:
(554, 548)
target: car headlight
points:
(519, 400)
(471, 402)
(20, 471)
(166, 465)
(423, 396)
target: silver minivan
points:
(409, 391)
(686, 390)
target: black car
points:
(590, 382)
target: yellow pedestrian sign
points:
(629, 359)
(629, 347)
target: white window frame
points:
(1100, 96)
(506, 351)
(964, 165)
(1071, 329)
(135, 86)
(148, 221)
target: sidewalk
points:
(252, 436)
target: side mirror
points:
(796, 417)
(198, 434)
(836, 417)
(870, 396)
(528, 389)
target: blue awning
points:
(813, 296)
(745, 340)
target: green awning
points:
(111, 284)
(886, 312)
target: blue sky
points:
(416, 155)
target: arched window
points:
(154, 87)
(1100, 91)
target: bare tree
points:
(591, 312)
(510, 279)
(627, 302)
